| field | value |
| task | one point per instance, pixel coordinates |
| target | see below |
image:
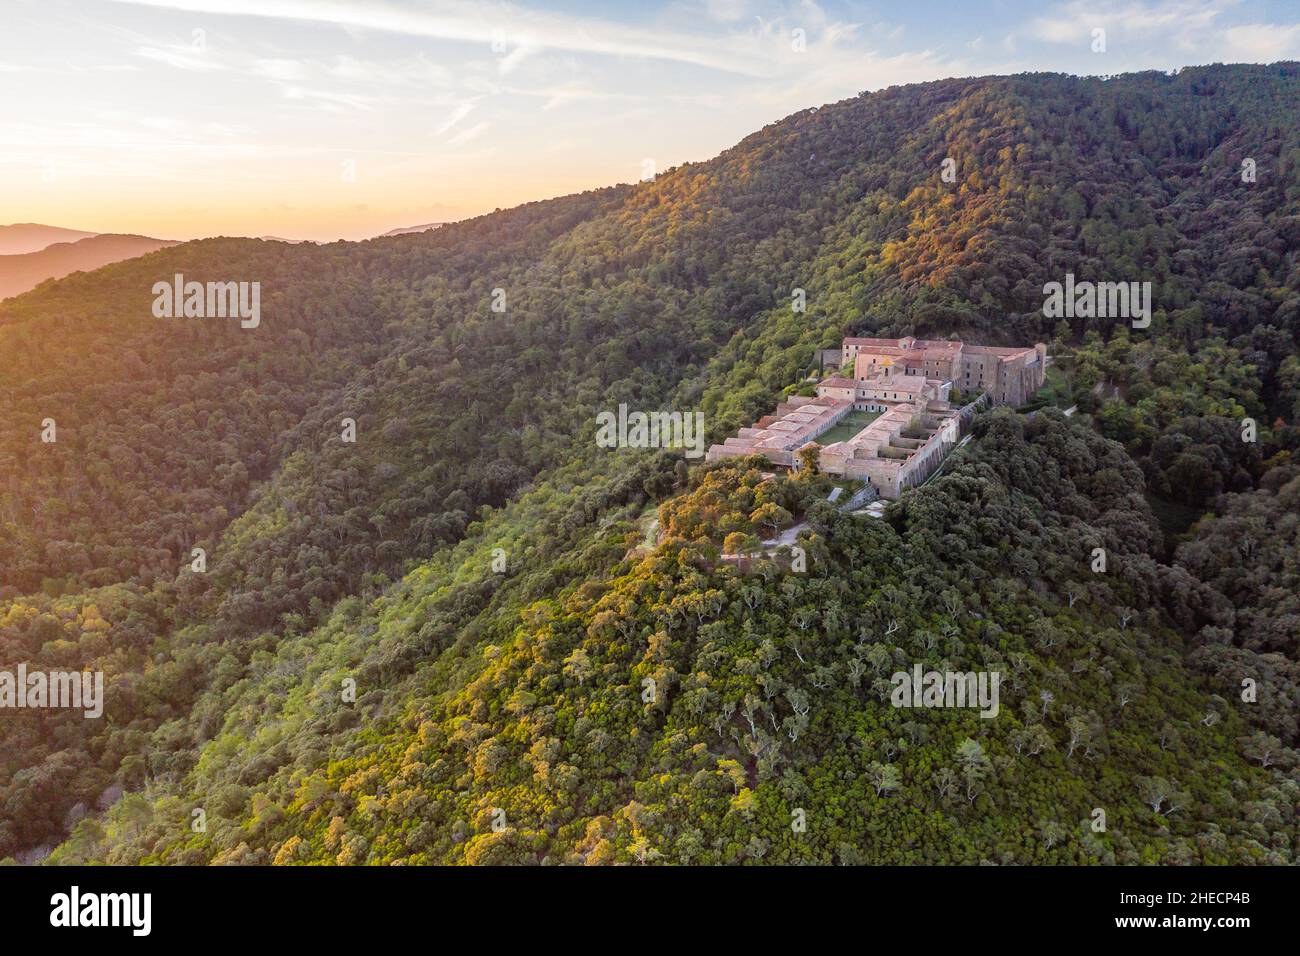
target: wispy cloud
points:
(1263, 41)
(494, 102)
(472, 133)
(397, 71)
(508, 63)
(289, 71)
(182, 58)
(728, 11)
(474, 21)
(1197, 28)
(326, 99)
(1074, 22)
(459, 113)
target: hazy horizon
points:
(331, 119)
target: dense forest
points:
(453, 641)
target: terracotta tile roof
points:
(849, 340)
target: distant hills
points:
(32, 252)
(24, 237)
(21, 272)
(410, 229)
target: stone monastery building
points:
(908, 382)
(1008, 375)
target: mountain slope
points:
(20, 238)
(407, 230)
(377, 562)
(19, 273)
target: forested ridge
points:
(476, 565)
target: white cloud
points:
(286, 70)
(1074, 22)
(465, 135)
(478, 21)
(727, 11)
(416, 71)
(459, 113)
(1194, 28)
(182, 58)
(508, 63)
(1263, 42)
(328, 100)
(557, 96)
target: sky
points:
(342, 119)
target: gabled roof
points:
(837, 381)
(895, 343)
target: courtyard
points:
(848, 426)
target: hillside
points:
(20, 273)
(502, 715)
(20, 238)
(407, 230)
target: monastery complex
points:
(907, 384)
